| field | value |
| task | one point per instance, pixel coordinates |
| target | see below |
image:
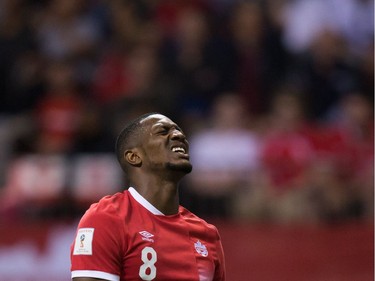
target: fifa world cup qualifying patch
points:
(83, 242)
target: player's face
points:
(164, 145)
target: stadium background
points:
(276, 98)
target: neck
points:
(162, 195)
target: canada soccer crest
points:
(201, 249)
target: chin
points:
(184, 167)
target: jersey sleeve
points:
(220, 263)
(97, 249)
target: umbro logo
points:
(147, 236)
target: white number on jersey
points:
(147, 271)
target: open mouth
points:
(179, 149)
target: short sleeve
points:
(220, 263)
(97, 248)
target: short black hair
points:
(127, 137)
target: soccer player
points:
(143, 233)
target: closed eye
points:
(162, 131)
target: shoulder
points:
(111, 207)
(199, 223)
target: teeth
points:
(178, 149)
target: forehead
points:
(156, 119)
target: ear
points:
(132, 157)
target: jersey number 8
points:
(147, 271)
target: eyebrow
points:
(166, 125)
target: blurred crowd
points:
(276, 97)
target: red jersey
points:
(124, 237)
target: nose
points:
(178, 135)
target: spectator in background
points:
(350, 19)
(366, 74)
(340, 180)
(260, 59)
(246, 22)
(355, 21)
(110, 81)
(129, 67)
(287, 153)
(58, 114)
(20, 77)
(64, 30)
(135, 72)
(195, 63)
(224, 153)
(19, 65)
(287, 150)
(326, 73)
(137, 81)
(352, 122)
(329, 41)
